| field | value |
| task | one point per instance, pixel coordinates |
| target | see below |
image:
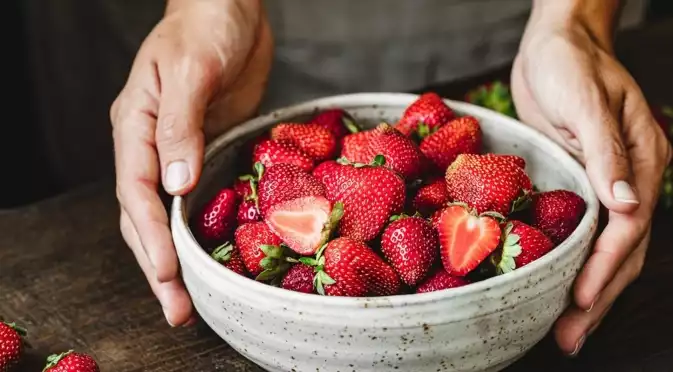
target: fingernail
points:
(593, 303)
(177, 175)
(166, 316)
(623, 192)
(190, 322)
(578, 345)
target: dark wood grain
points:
(66, 274)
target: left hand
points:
(572, 88)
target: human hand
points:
(567, 83)
(201, 70)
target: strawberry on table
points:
(557, 213)
(370, 194)
(262, 251)
(440, 279)
(299, 278)
(314, 140)
(431, 197)
(402, 155)
(488, 183)
(217, 219)
(424, 116)
(459, 136)
(348, 267)
(270, 153)
(466, 239)
(11, 345)
(71, 361)
(523, 244)
(338, 121)
(230, 257)
(411, 246)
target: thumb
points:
(607, 162)
(179, 132)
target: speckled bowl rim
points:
(180, 225)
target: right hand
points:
(200, 71)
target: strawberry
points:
(431, 197)
(270, 153)
(402, 155)
(410, 244)
(284, 182)
(242, 187)
(435, 218)
(325, 169)
(217, 219)
(261, 250)
(370, 195)
(71, 361)
(557, 213)
(439, 280)
(299, 279)
(424, 116)
(466, 239)
(522, 245)
(488, 183)
(347, 267)
(338, 121)
(230, 257)
(459, 136)
(248, 148)
(517, 160)
(314, 140)
(248, 212)
(11, 345)
(357, 145)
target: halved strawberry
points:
(466, 239)
(304, 223)
(316, 141)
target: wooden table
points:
(66, 274)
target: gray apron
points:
(80, 53)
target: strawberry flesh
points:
(465, 239)
(285, 182)
(301, 223)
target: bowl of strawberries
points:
(384, 231)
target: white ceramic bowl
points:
(480, 327)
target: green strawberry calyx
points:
(321, 278)
(379, 160)
(223, 252)
(510, 250)
(333, 221)
(397, 217)
(423, 130)
(522, 203)
(52, 360)
(495, 96)
(277, 261)
(17, 328)
(350, 124)
(254, 181)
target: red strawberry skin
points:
(487, 183)
(557, 213)
(75, 362)
(232, 261)
(465, 239)
(460, 136)
(249, 238)
(370, 195)
(271, 153)
(429, 109)
(248, 212)
(439, 280)
(285, 182)
(411, 246)
(242, 189)
(11, 347)
(431, 197)
(299, 279)
(358, 146)
(333, 120)
(435, 218)
(358, 271)
(217, 219)
(534, 243)
(316, 141)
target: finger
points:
(186, 88)
(137, 182)
(607, 159)
(172, 296)
(572, 328)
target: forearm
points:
(597, 17)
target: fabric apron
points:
(80, 53)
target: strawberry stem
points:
(379, 160)
(223, 252)
(350, 124)
(53, 359)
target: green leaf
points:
(223, 252)
(511, 240)
(350, 125)
(667, 111)
(318, 254)
(423, 130)
(319, 287)
(308, 261)
(494, 215)
(246, 177)
(326, 279)
(521, 203)
(506, 265)
(265, 275)
(272, 251)
(379, 160)
(17, 328)
(268, 263)
(259, 169)
(336, 214)
(52, 360)
(343, 161)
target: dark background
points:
(25, 173)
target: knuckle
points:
(173, 133)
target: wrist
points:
(596, 18)
(179, 5)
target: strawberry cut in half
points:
(466, 239)
(304, 224)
